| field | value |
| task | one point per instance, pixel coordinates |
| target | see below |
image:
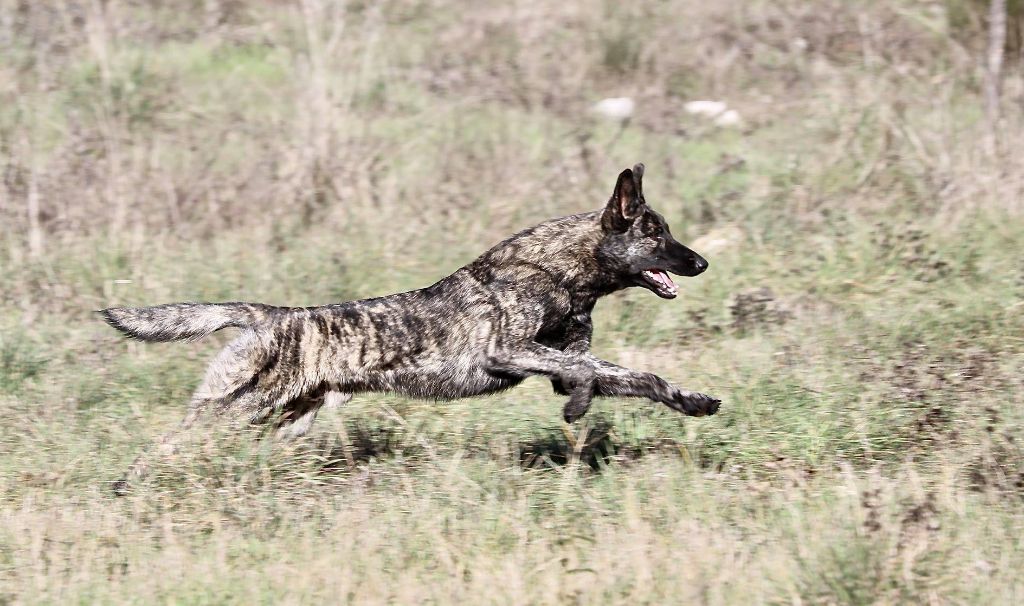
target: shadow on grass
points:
(550, 448)
(555, 448)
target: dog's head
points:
(637, 244)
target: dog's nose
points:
(701, 264)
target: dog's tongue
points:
(662, 277)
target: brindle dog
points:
(523, 308)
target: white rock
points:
(709, 109)
(615, 108)
(716, 111)
(729, 117)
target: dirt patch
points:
(756, 307)
(907, 246)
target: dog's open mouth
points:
(660, 283)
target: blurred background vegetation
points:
(862, 317)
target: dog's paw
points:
(572, 413)
(578, 405)
(575, 408)
(695, 404)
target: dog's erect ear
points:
(626, 202)
(638, 178)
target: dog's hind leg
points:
(298, 415)
(200, 410)
(165, 447)
(296, 421)
(231, 387)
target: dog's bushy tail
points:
(185, 321)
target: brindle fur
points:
(522, 308)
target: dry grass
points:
(862, 319)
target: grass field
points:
(862, 319)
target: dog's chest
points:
(565, 328)
(558, 307)
(555, 333)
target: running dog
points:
(522, 308)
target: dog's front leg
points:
(577, 340)
(613, 380)
(573, 372)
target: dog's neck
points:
(565, 249)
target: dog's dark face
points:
(638, 246)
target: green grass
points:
(868, 447)
(406, 500)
